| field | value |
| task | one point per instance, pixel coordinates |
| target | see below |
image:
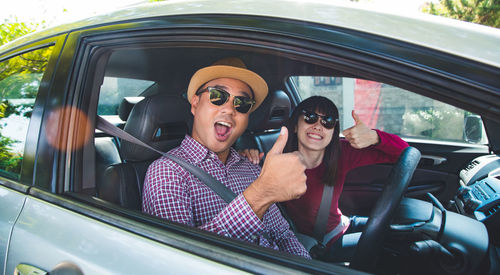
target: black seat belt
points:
(225, 193)
(319, 249)
(323, 213)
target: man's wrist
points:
(258, 201)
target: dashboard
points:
(479, 194)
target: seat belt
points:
(318, 250)
(220, 189)
(323, 213)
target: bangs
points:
(321, 105)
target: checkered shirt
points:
(173, 193)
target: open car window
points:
(394, 110)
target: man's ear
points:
(194, 103)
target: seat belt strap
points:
(220, 189)
(323, 213)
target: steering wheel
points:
(372, 237)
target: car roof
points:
(443, 34)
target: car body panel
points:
(11, 203)
(60, 225)
(39, 240)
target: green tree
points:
(485, 12)
(11, 29)
(19, 81)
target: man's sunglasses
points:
(219, 97)
(311, 117)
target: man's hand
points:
(252, 154)
(282, 178)
(359, 135)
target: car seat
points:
(161, 121)
(265, 123)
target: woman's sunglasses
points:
(219, 97)
(311, 117)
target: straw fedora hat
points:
(229, 68)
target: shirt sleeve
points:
(386, 151)
(282, 234)
(166, 195)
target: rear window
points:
(114, 89)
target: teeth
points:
(224, 123)
(315, 136)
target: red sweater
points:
(303, 211)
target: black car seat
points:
(265, 123)
(106, 147)
(161, 121)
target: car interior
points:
(143, 91)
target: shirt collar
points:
(197, 152)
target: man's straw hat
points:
(229, 68)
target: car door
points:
(437, 129)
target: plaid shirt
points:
(172, 193)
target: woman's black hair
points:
(325, 106)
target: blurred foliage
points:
(20, 77)
(10, 162)
(485, 12)
(11, 29)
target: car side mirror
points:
(473, 126)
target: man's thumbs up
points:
(359, 135)
(282, 178)
(280, 142)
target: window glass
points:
(114, 89)
(393, 109)
(20, 78)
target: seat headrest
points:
(272, 114)
(161, 121)
(126, 106)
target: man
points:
(222, 96)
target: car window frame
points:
(31, 142)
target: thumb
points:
(280, 143)
(356, 118)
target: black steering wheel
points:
(372, 237)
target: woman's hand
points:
(359, 135)
(252, 154)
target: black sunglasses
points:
(219, 97)
(311, 117)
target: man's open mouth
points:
(222, 130)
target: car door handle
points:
(432, 160)
(66, 268)
(26, 269)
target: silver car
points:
(70, 193)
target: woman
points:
(328, 158)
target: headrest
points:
(126, 106)
(161, 121)
(272, 114)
